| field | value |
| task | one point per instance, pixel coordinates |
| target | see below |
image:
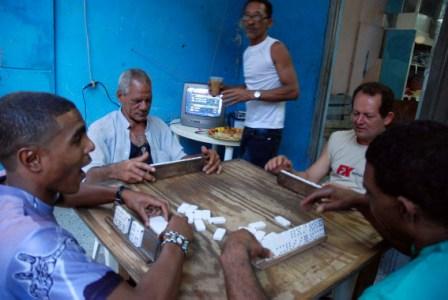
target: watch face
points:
(257, 94)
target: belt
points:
(250, 130)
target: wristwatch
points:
(174, 237)
(257, 95)
(118, 196)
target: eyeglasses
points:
(256, 18)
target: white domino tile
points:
(219, 234)
(217, 220)
(136, 233)
(158, 224)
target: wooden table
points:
(244, 193)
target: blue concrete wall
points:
(175, 42)
(26, 45)
(301, 25)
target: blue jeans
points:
(258, 145)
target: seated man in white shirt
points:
(129, 140)
(344, 155)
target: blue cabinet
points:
(397, 57)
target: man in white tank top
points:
(270, 80)
(343, 158)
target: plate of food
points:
(226, 133)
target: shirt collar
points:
(124, 121)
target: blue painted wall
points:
(175, 42)
(26, 45)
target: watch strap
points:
(118, 194)
(174, 237)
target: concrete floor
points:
(69, 220)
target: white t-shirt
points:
(260, 74)
(347, 159)
(112, 143)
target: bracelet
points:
(174, 237)
(118, 196)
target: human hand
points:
(134, 170)
(235, 95)
(145, 205)
(240, 243)
(179, 224)
(333, 197)
(277, 164)
(212, 161)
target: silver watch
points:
(257, 95)
(176, 238)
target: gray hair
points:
(132, 74)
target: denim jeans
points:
(258, 145)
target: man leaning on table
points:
(128, 140)
(44, 149)
(405, 200)
(343, 156)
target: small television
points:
(199, 108)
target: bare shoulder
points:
(279, 51)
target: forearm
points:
(98, 174)
(89, 195)
(308, 176)
(283, 93)
(163, 279)
(241, 282)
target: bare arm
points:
(319, 169)
(163, 279)
(290, 85)
(333, 197)
(92, 195)
(134, 170)
(288, 90)
(238, 251)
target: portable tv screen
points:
(199, 108)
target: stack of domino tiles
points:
(198, 217)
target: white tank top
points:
(260, 74)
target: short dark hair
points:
(131, 74)
(28, 118)
(411, 160)
(375, 88)
(266, 3)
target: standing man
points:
(270, 80)
(129, 140)
(344, 155)
(44, 149)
